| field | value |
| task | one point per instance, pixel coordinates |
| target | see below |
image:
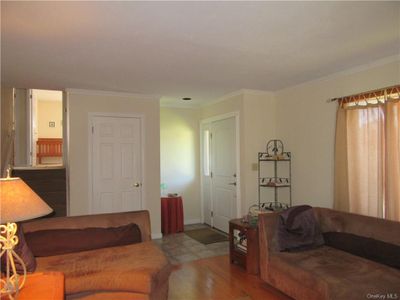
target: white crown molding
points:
(237, 93)
(256, 92)
(354, 70)
(223, 98)
(177, 105)
(112, 94)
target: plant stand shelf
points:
(274, 180)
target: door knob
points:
(232, 183)
(137, 184)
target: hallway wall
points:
(180, 158)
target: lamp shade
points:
(19, 203)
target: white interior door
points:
(116, 164)
(220, 188)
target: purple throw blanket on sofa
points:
(298, 229)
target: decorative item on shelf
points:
(275, 153)
(263, 156)
(274, 148)
(273, 206)
(240, 240)
(18, 203)
(252, 215)
(272, 182)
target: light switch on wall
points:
(254, 166)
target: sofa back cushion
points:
(140, 217)
(62, 241)
(375, 250)
(379, 229)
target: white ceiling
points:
(201, 50)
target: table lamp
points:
(17, 203)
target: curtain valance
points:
(369, 98)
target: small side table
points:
(43, 286)
(171, 215)
(243, 245)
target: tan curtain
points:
(367, 167)
(392, 196)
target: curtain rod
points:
(363, 93)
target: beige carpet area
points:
(207, 235)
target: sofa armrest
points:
(267, 224)
(141, 218)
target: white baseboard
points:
(192, 221)
(155, 236)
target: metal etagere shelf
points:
(274, 153)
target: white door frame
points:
(66, 163)
(32, 120)
(203, 122)
(141, 117)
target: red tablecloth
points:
(171, 215)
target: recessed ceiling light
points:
(186, 98)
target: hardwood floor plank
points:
(216, 279)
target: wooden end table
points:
(243, 245)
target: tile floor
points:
(180, 248)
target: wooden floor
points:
(215, 278)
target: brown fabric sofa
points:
(136, 271)
(325, 272)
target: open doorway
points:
(38, 128)
(38, 137)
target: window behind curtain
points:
(367, 154)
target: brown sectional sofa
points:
(136, 271)
(326, 272)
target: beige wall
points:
(80, 104)
(179, 148)
(306, 124)
(6, 124)
(49, 111)
(259, 128)
(301, 117)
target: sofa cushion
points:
(62, 241)
(378, 251)
(336, 271)
(133, 268)
(24, 252)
